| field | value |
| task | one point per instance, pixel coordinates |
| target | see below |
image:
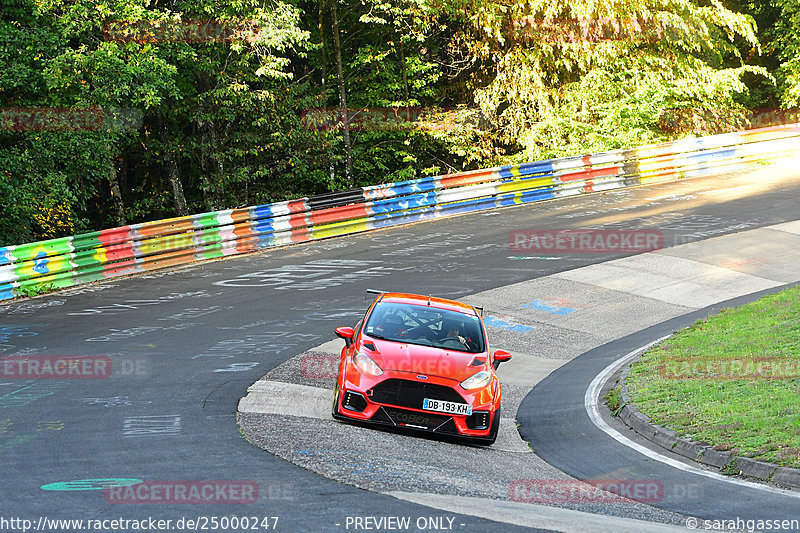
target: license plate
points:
(443, 406)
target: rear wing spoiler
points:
(478, 308)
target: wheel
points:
(335, 406)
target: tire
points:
(335, 406)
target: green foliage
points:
(787, 43)
(221, 118)
(34, 290)
(582, 77)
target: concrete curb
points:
(726, 462)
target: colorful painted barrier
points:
(58, 263)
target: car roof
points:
(437, 303)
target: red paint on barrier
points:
(470, 178)
(117, 247)
(298, 220)
(336, 214)
(242, 230)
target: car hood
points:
(426, 360)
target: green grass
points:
(755, 417)
(614, 400)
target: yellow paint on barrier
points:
(166, 243)
(43, 269)
(340, 228)
(524, 185)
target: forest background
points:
(121, 111)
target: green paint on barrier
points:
(88, 257)
(207, 228)
(91, 484)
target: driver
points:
(454, 329)
(393, 326)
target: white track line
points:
(590, 401)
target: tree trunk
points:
(116, 192)
(342, 98)
(211, 197)
(173, 174)
(320, 25)
(403, 69)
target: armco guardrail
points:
(68, 261)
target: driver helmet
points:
(392, 325)
(451, 324)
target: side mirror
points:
(500, 356)
(346, 334)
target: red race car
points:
(420, 363)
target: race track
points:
(185, 345)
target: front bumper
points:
(395, 399)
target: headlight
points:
(476, 381)
(366, 364)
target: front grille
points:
(427, 421)
(406, 393)
(414, 420)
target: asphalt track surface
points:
(554, 412)
(186, 343)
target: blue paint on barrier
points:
(6, 291)
(40, 263)
(536, 167)
(399, 217)
(513, 198)
(724, 153)
(393, 207)
(467, 206)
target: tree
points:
(582, 77)
(786, 36)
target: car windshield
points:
(426, 326)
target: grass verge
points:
(731, 381)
